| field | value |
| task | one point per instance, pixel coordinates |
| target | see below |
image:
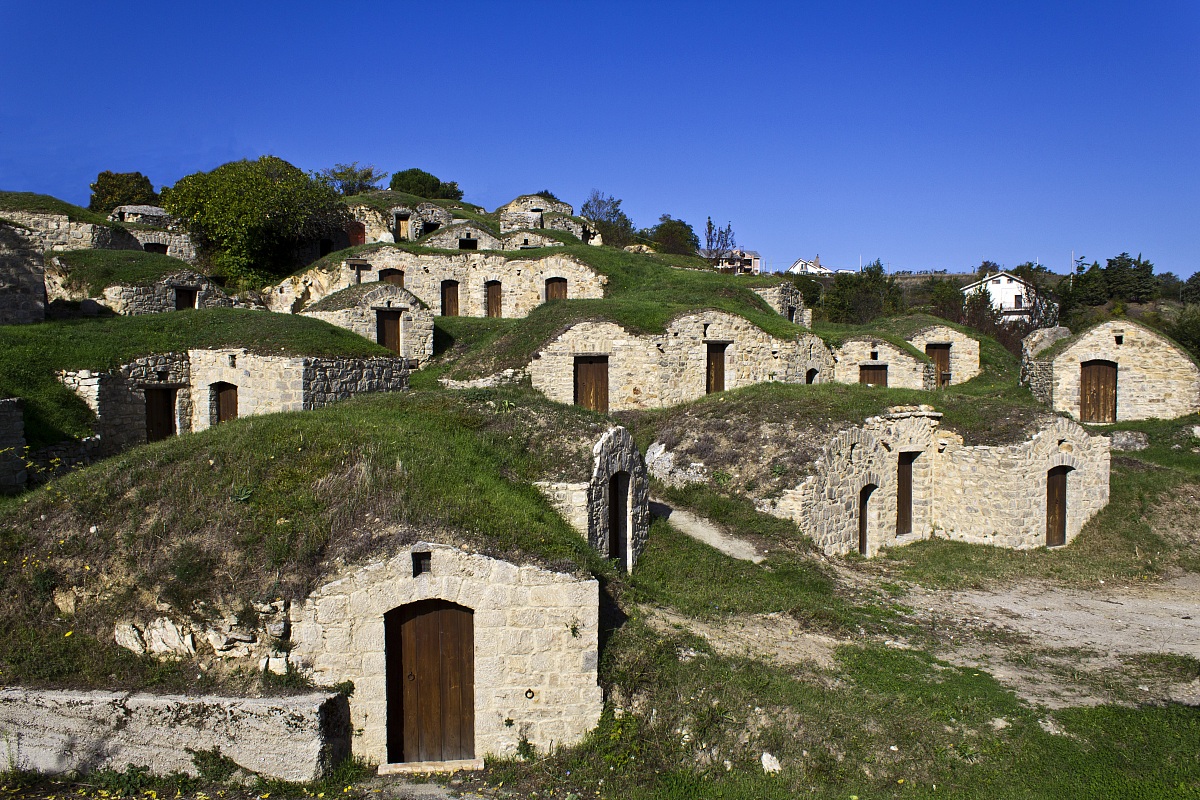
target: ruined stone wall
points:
(12, 446)
(787, 301)
(22, 276)
(328, 380)
(159, 297)
(447, 238)
(179, 244)
(58, 233)
(517, 220)
(376, 225)
(266, 384)
(416, 323)
(964, 351)
(1155, 379)
(535, 645)
(904, 370)
(1039, 377)
(118, 398)
(294, 738)
(527, 202)
(526, 238)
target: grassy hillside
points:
(31, 355)
(45, 204)
(93, 271)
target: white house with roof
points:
(1011, 296)
(803, 267)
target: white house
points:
(802, 267)
(1011, 296)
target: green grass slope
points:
(93, 271)
(45, 204)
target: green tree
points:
(616, 229)
(985, 267)
(718, 242)
(978, 311)
(673, 236)
(1186, 328)
(1191, 289)
(860, 297)
(251, 217)
(113, 189)
(946, 299)
(351, 179)
(1129, 279)
(1090, 287)
(810, 288)
(423, 184)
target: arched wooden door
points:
(430, 660)
(1056, 506)
(1098, 391)
(556, 288)
(864, 509)
(387, 328)
(939, 354)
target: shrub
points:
(113, 189)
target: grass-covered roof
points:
(351, 296)
(34, 203)
(93, 271)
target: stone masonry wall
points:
(964, 351)
(22, 276)
(159, 297)
(904, 370)
(786, 299)
(416, 323)
(179, 244)
(447, 238)
(328, 380)
(528, 239)
(58, 233)
(12, 446)
(266, 384)
(1155, 379)
(294, 738)
(527, 202)
(536, 645)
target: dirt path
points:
(702, 530)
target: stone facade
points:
(295, 738)
(1155, 378)
(527, 239)
(22, 276)
(983, 494)
(401, 223)
(453, 237)
(59, 233)
(523, 281)
(161, 296)
(658, 371)
(153, 216)
(964, 350)
(535, 648)
(588, 506)
(905, 370)
(178, 244)
(416, 321)
(535, 204)
(787, 301)
(12, 446)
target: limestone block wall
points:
(416, 323)
(59, 233)
(536, 639)
(12, 446)
(633, 365)
(155, 216)
(265, 384)
(572, 225)
(179, 244)
(964, 350)
(294, 738)
(1155, 378)
(526, 238)
(328, 380)
(519, 220)
(786, 299)
(983, 494)
(529, 202)
(22, 276)
(448, 237)
(377, 227)
(159, 297)
(905, 371)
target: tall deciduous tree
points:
(616, 229)
(251, 216)
(113, 189)
(860, 297)
(423, 184)
(673, 236)
(718, 242)
(351, 179)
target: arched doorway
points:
(864, 510)
(224, 399)
(429, 649)
(618, 519)
(392, 276)
(811, 376)
(556, 288)
(1098, 391)
(1056, 506)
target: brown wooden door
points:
(493, 292)
(387, 329)
(904, 493)
(449, 298)
(227, 401)
(715, 373)
(591, 382)
(873, 375)
(1056, 506)
(160, 413)
(356, 232)
(1098, 391)
(556, 288)
(392, 276)
(940, 355)
(184, 298)
(864, 507)
(618, 518)
(429, 649)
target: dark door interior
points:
(184, 298)
(864, 500)
(430, 660)
(940, 355)
(155, 247)
(160, 413)
(618, 517)
(1056, 506)
(1098, 391)
(227, 401)
(449, 298)
(387, 328)
(904, 493)
(591, 382)
(715, 373)
(873, 375)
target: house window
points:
(1008, 280)
(1017, 301)
(422, 563)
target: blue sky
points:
(929, 135)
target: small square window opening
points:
(422, 563)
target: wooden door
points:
(873, 375)
(387, 328)
(449, 298)
(392, 276)
(492, 289)
(940, 355)
(904, 493)
(556, 288)
(429, 652)
(160, 413)
(715, 373)
(591, 382)
(1098, 391)
(618, 518)
(184, 298)
(227, 401)
(400, 228)
(864, 507)
(356, 232)
(1056, 506)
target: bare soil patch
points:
(775, 638)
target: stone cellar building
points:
(785, 299)
(898, 479)
(954, 354)
(1112, 372)
(874, 361)
(464, 236)
(178, 291)
(386, 314)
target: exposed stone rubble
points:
(22, 276)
